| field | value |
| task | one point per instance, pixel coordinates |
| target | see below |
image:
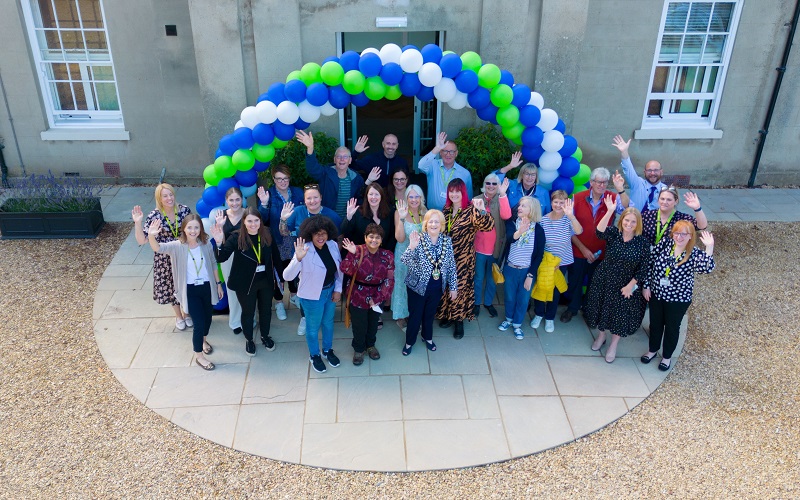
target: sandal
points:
(430, 345)
(208, 367)
(207, 348)
(407, 350)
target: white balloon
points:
(411, 60)
(547, 176)
(249, 116)
(549, 160)
(308, 112)
(537, 100)
(267, 111)
(239, 124)
(430, 74)
(370, 49)
(327, 109)
(547, 185)
(288, 112)
(390, 53)
(208, 223)
(459, 101)
(445, 89)
(212, 215)
(553, 140)
(548, 121)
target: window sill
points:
(677, 133)
(85, 134)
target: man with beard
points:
(644, 191)
(386, 160)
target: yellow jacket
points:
(548, 278)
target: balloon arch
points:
(388, 73)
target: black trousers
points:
(422, 311)
(665, 322)
(261, 297)
(365, 327)
(198, 302)
(577, 270)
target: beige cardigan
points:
(179, 256)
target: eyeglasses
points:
(491, 183)
(529, 174)
(414, 197)
(681, 235)
(400, 179)
(449, 151)
(652, 170)
(311, 186)
(280, 179)
(342, 157)
(600, 182)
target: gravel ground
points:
(725, 423)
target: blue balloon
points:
(282, 131)
(370, 64)
(248, 191)
(222, 188)
(569, 167)
(317, 94)
(479, 98)
(529, 115)
(522, 95)
(338, 97)
(532, 136)
(563, 183)
(263, 134)
(431, 53)
(276, 93)
(263, 97)
(329, 59)
(301, 125)
(295, 91)
(507, 78)
(212, 197)
(349, 60)
(410, 84)
(246, 178)
(532, 153)
(466, 81)
(451, 65)
(202, 208)
(561, 126)
(261, 166)
(360, 99)
(227, 145)
(243, 138)
(425, 94)
(391, 74)
(409, 46)
(218, 153)
(488, 113)
(569, 147)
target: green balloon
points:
(393, 93)
(210, 175)
(353, 82)
(207, 184)
(243, 159)
(374, 88)
(331, 73)
(310, 73)
(517, 141)
(508, 115)
(501, 96)
(470, 60)
(224, 167)
(294, 75)
(278, 143)
(488, 76)
(578, 155)
(514, 131)
(263, 153)
(583, 175)
(578, 189)
(447, 52)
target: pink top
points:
(484, 240)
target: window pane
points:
(95, 40)
(660, 79)
(75, 72)
(72, 40)
(715, 44)
(102, 73)
(700, 72)
(712, 79)
(46, 11)
(721, 19)
(80, 96)
(670, 47)
(685, 79)
(67, 14)
(654, 107)
(707, 108)
(676, 17)
(684, 106)
(90, 14)
(692, 47)
(699, 16)
(106, 97)
(64, 96)
(48, 41)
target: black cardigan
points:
(243, 275)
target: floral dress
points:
(163, 286)
(400, 293)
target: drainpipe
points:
(781, 70)
(13, 133)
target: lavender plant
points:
(48, 193)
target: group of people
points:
(365, 236)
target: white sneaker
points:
(536, 321)
(180, 324)
(188, 321)
(294, 299)
(301, 328)
(280, 311)
(549, 326)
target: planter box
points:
(50, 225)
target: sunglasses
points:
(311, 186)
(342, 157)
(490, 183)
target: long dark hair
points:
(383, 206)
(391, 194)
(244, 237)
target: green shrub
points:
(482, 150)
(294, 156)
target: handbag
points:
(350, 293)
(497, 274)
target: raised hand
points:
(136, 214)
(402, 209)
(300, 249)
(217, 233)
(219, 217)
(349, 246)
(352, 207)
(374, 174)
(287, 210)
(611, 205)
(263, 195)
(618, 180)
(503, 186)
(708, 240)
(691, 200)
(479, 204)
(413, 240)
(569, 207)
(620, 143)
(441, 140)
(155, 228)
(305, 139)
(361, 144)
(516, 160)
(524, 223)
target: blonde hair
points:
(689, 227)
(631, 210)
(559, 194)
(535, 210)
(429, 215)
(528, 167)
(673, 190)
(159, 189)
(418, 190)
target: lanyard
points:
(450, 220)
(197, 268)
(660, 230)
(174, 230)
(449, 178)
(677, 258)
(414, 221)
(257, 252)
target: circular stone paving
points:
(485, 398)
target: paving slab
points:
(373, 446)
(369, 399)
(533, 424)
(119, 339)
(445, 444)
(191, 386)
(588, 414)
(433, 397)
(215, 423)
(480, 396)
(519, 367)
(271, 430)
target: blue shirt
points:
(301, 213)
(516, 192)
(439, 177)
(641, 188)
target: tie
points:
(652, 195)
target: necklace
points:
(533, 190)
(436, 274)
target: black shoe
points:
(250, 348)
(445, 323)
(459, 331)
(269, 344)
(664, 366)
(331, 357)
(237, 330)
(476, 310)
(492, 311)
(317, 364)
(644, 359)
(566, 316)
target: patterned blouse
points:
(374, 278)
(420, 266)
(678, 282)
(650, 221)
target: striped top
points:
(558, 234)
(521, 250)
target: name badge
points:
(261, 268)
(663, 282)
(198, 282)
(443, 195)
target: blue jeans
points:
(516, 297)
(483, 270)
(319, 313)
